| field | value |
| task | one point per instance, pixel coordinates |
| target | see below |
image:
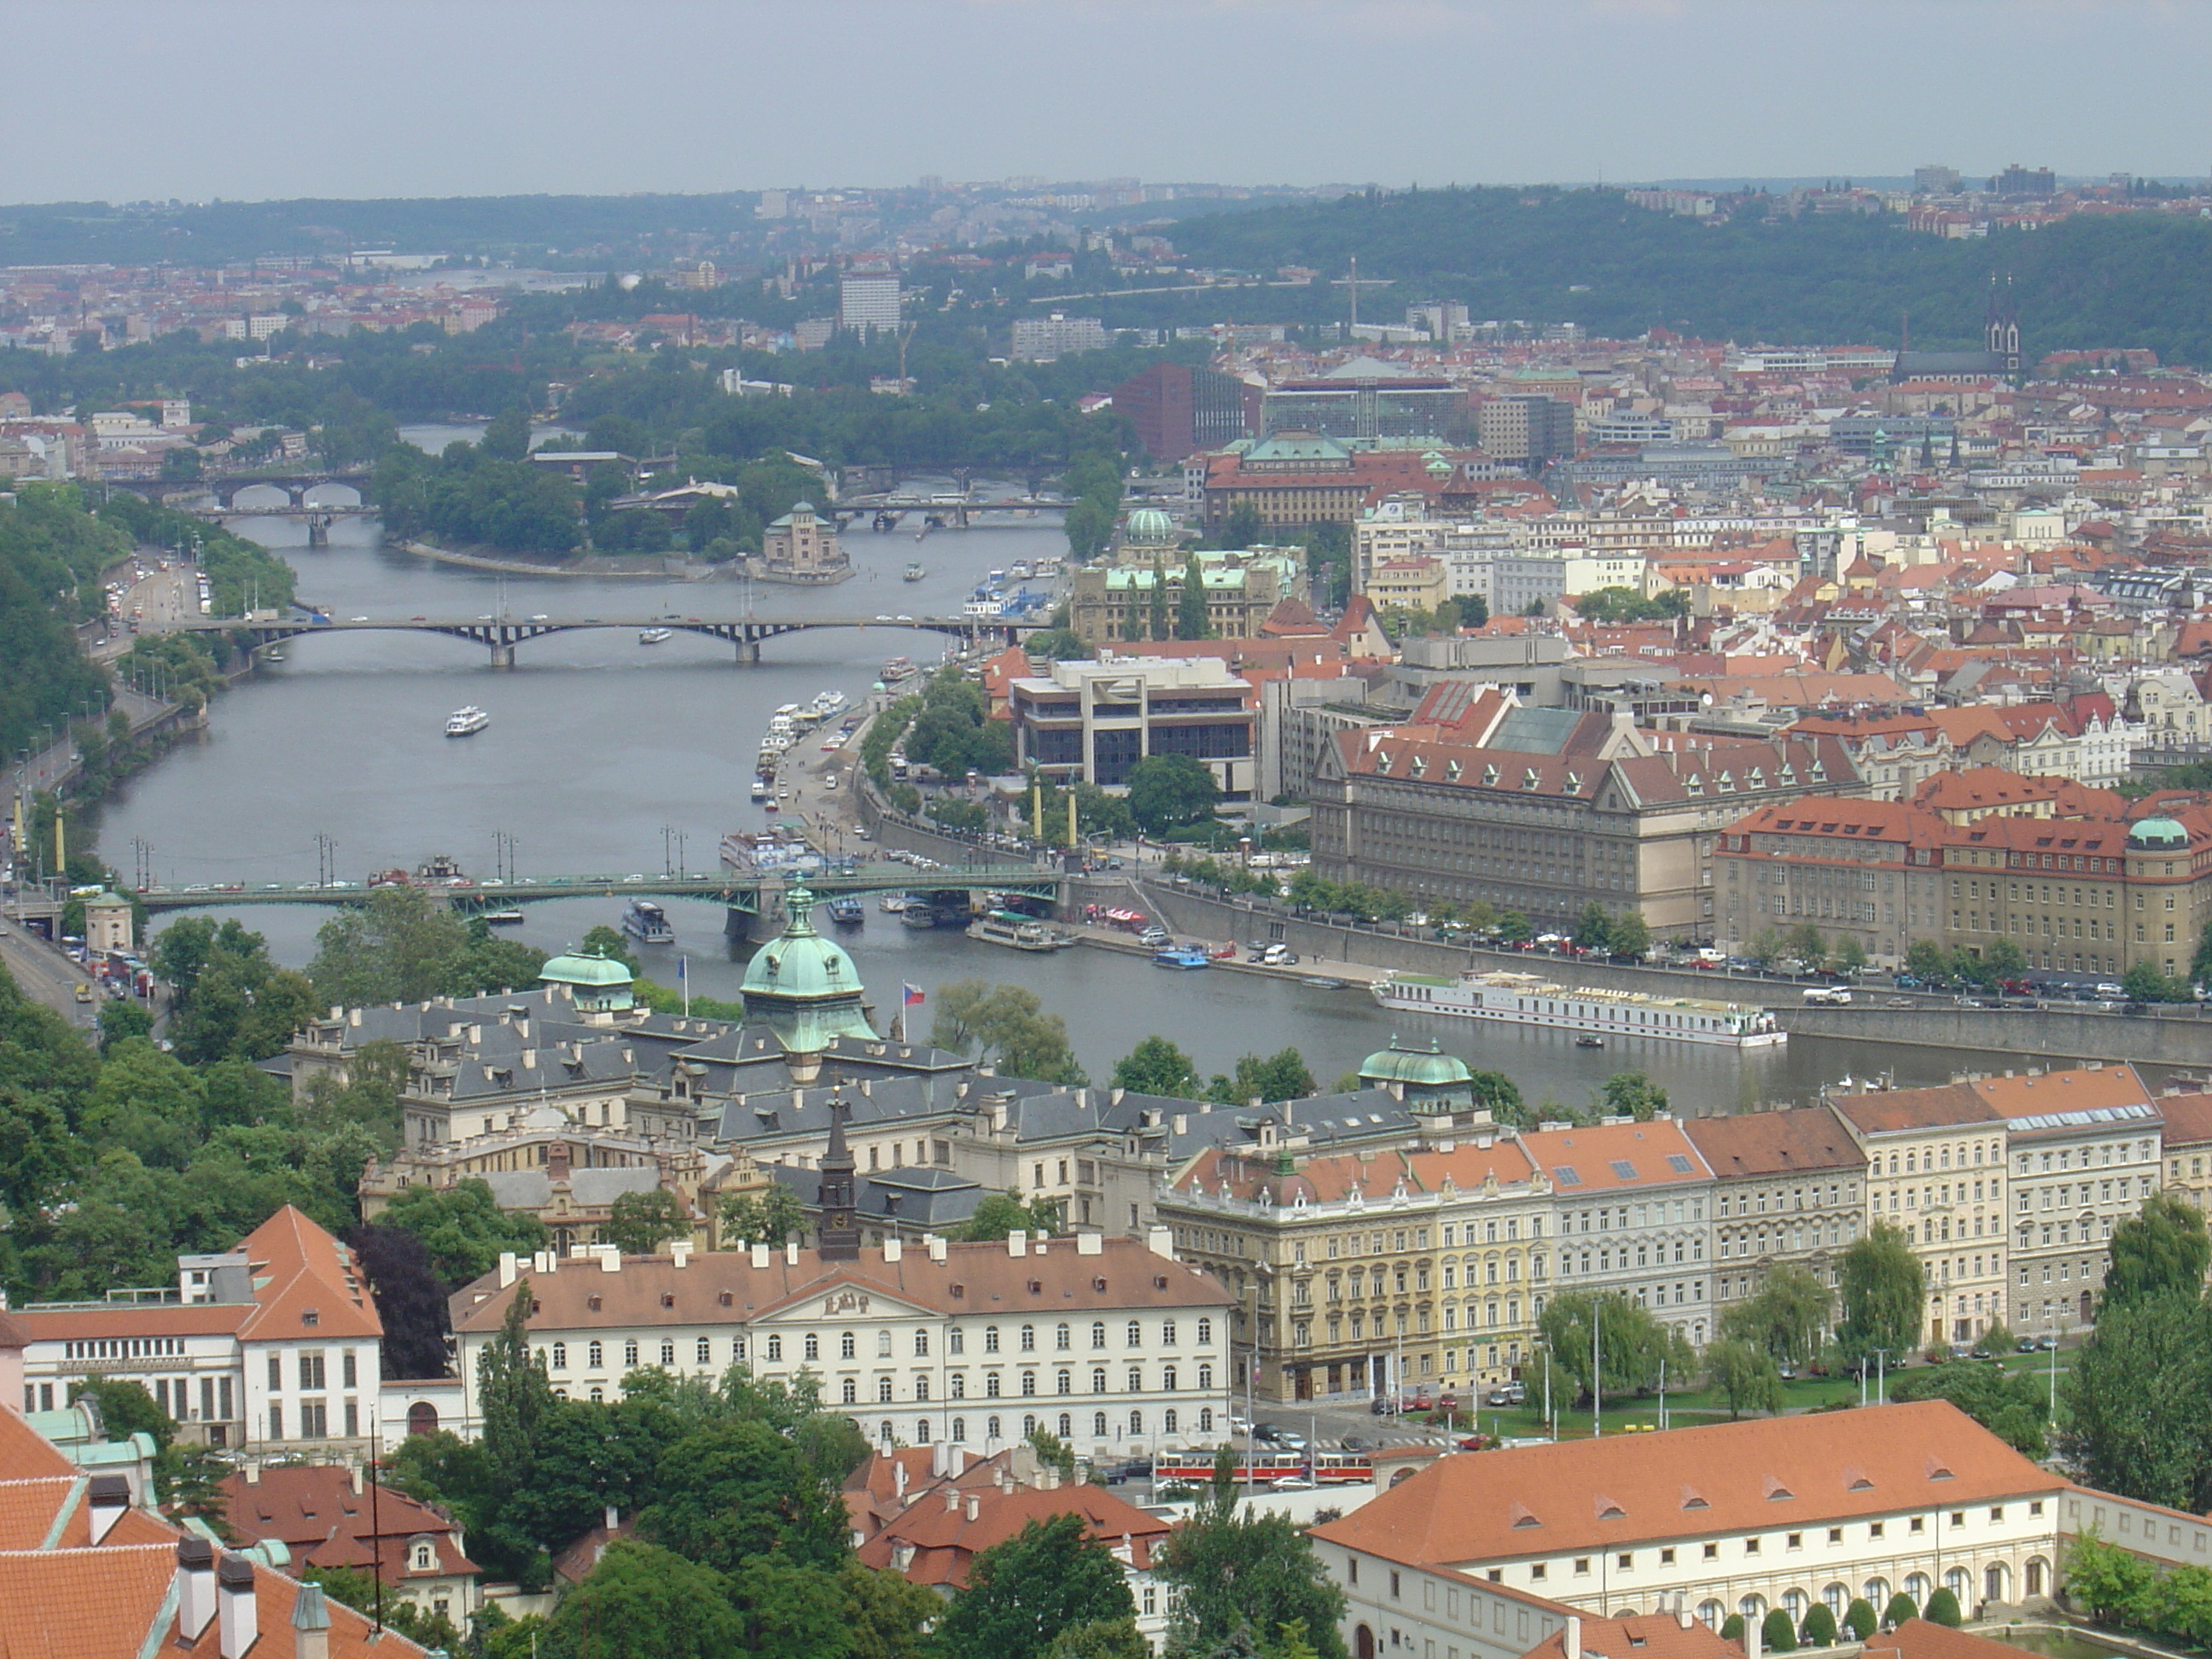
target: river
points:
(601, 753)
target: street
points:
(42, 973)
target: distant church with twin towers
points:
(2000, 356)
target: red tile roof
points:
(1641, 1636)
(1897, 1111)
(326, 1522)
(1758, 1144)
(945, 1541)
(1917, 1638)
(1649, 1488)
(2188, 1119)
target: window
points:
(703, 1352)
(1098, 1424)
(1064, 1381)
(1135, 1336)
(921, 1344)
(921, 1389)
(350, 1367)
(774, 1349)
(1205, 1332)
(955, 1341)
(277, 1378)
(882, 1344)
(990, 1385)
(1028, 1338)
(1713, 1552)
(1098, 1379)
(1060, 1337)
(813, 1348)
(847, 1347)
(629, 1356)
(1098, 1334)
(560, 1356)
(990, 1339)
(883, 1389)
(668, 1353)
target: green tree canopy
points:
(2134, 1403)
(998, 1215)
(1157, 1066)
(1166, 791)
(2012, 1407)
(1633, 1094)
(463, 1227)
(644, 1602)
(763, 1215)
(1006, 1026)
(1882, 1289)
(640, 1223)
(1233, 1569)
(1744, 1375)
(1787, 1317)
(2161, 1251)
(1022, 1594)
(1632, 1342)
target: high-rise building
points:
(1178, 411)
(869, 301)
(1041, 339)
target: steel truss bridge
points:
(502, 635)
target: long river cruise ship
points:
(1525, 1000)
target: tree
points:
(1244, 526)
(644, 1602)
(2143, 982)
(2133, 1402)
(1778, 1634)
(1107, 1638)
(410, 1295)
(1745, 1376)
(1819, 1629)
(2004, 958)
(1594, 928)
(402, 946)
(1901, 1608)
(1850, 957)
(1192, 621)
(515, 1400)
(1498, 1095)
(1157, 1066)
(463, 1228)
(1232, 1568)
(743, 1489)
(2163, 1248)
(2010, 1407)
(1632, 1342)
(508, 438)
(1513, 928)
(763, 1215)
(1168, 790)
(1809, 945)
(1631, 935)
(1281, 1076)
(1022, 1593)
(1882, 1289)
(1785, 1319)
(1732, 1628)
(1858, 1618)
(1996, 1338)
(998, 1215)
(1633, 1094)
(1007, 1026)
(640, 1223)
(2108, 1583)
(1156, 602)
(121, 1021)
(888, 1617)
(1942, 1608)
(1927, 961)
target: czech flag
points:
(909, 996)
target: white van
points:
(1833, 996)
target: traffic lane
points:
(45, 975)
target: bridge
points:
(957, 511)
(749, 895)
(502, 635)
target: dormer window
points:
(1417, 768)
(1383, 763)
(1529, 778)
(1451, 771)
(1490, 775)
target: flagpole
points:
(683, 979)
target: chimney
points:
(1091, 1243)
(791, 1252)
(952, 1500)
(611, 1518)
(940, 1459)
(898, 1477)
(937, 1248)
(237, 1618)
(311, 1625)
(679, 1254)
(506, 1269)
(1160, 1241)
(1018, 1243)
(610, 1258)
(195, 1587)
(975, 1506)
(893, 1250)
(901, 1557)
(1574, 1637)
(759, 1255)
(109, 1496)
(1753, 1629)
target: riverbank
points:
(631, 566)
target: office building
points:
(1527, 430)
(869, 301)
(1092, 721)
(1178, 411)
(1368, 399)
(1042, 339)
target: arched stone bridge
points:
(502, 635)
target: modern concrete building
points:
(868, 302)
(1093, 721)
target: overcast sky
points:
(123, 100)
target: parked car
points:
(1268, 1433)
(1137, 1468)
(1353, 1443)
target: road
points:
(45, 975)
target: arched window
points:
(1029, 1383)
(425, 1559)
(921, 1391)
(774, 1349)
(991, 1385)
(813, 1348)
(990, 1339)
(1097, 1332)
(1098, 1424)
(921, 1344)
(668, 1353)
(847, 1346)
(1062, 1339)
(1751, 1607)
(852, 1391)
(1028, 1338)
(883, 1390)
(1205, 1419)
(629, 1356)
(1029, 1425)
(1205, 1332)
(884, 1433)
(1205, 1378)
(921, 1430)
(1064, 1381)
(596, 1355)
(560, 1356)
(1135, 1336)
(1795, 1601)
(1136, 1423)
(704, 1353)
(1097, 1379)
(959, 1429)
(2036, 1574)
(1712, 1614)
(1916, 1586)
(1167, 1378)
(1837, 1596)
(991, 1428)
(1167, 1422)
(882, 1344)
(1961, 1583)
(1066, 1425)
(1876, 1591)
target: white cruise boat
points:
(1525, 1000)
(466, 722)
(654, 636)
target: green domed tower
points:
(1428, 1080)
(600, 984)
(805, 988)
(1149, 530)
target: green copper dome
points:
(1425, 1069)
(1149, 526)
(585, 969)
(803, 986)
(2157, 835)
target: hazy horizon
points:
(253, 100)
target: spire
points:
(839, 1235)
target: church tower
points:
(2002, 329)
(839, 1235)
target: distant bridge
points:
(748, 894)
(502, 635)
(224, 488)
(944, 511)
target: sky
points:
(259, 99)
